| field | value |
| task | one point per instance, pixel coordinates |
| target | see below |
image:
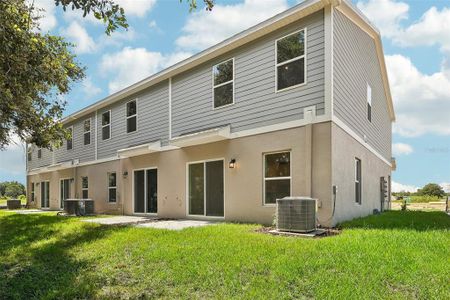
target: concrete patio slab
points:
(121, 220)
(176, 224)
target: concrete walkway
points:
(176, 224)
(121, 220)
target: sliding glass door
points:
(64, 191)
(45, 194)
(206, 188)
(146, 191)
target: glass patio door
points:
(64, 191)
(206, 189)
(45, 194)
(146, 191)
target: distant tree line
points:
(11, 189)
(430, 189)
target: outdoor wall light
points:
(125, 174)
(232, 163)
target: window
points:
(29, 153)
(131, 116)
(39, 153)
(369, 103)
(69, 141)
(87, 132)
(32, 192)
(223, 83)
(106, 125)
(277, 176)
(290, 64)
(84, 187)
(358, 180)
(112, 187)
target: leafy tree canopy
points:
(12, 189)
(432, 189)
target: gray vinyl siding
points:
(79, 151)
(152, 121)
(355, 65)
(45, 160)
(256, 103)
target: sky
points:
(415, 35)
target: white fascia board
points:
(202, 137)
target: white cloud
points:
(398, 187)
(445, 186)
(80, 37)
(385, 14)
(401, 149)
(433, 28)
(89, 88)
(12, 159)
(48, 19)
(136, 7)
(422, 101)
(204, 29)
(131, 65)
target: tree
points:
(432, 189)
(11, 189)
(37, 69)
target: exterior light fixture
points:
(125, 174)
(232, 163)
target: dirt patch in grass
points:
(323, 232)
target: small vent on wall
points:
(309, 113)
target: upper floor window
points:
(369, 103)
(223, 83)
(39, 154)
(87, 131)
(29, 155)
(277, 176)
(358, 177)
(106, 125)
(69, 141)
(112, 187)
(131, 116)
(290, 65)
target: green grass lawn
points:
(396, 255)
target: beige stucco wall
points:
(344, 151)
(310, 148)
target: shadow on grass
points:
(413, 220)
(36, 260)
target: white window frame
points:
(110, 122)
(111, 187)
(221, 84)
(369, 102)
(358, 181)
(304, 56)
(85, 132)
(204, 216)
(276, 178)
(135, 115)
(85, 188)
(71, 139)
